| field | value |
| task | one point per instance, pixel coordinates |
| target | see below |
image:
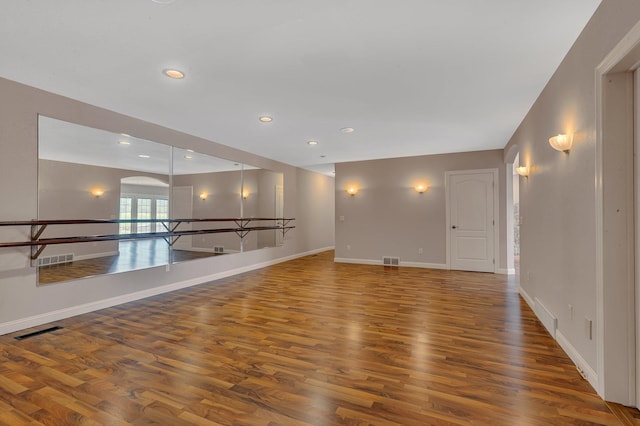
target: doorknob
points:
(453, 227)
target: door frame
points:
(496, 211)
(617, 333)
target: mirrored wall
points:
(87, 173)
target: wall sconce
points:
(204, 196)
(352, 190)
(421, 188)
(245, 194)
(561, 142)
(523, 171)
(97, 192)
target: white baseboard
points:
(505, 271)
(528, 299)
(582, 365)
(546, 317)
(357, 261)
(379, 262)
(96, 255)
(45, 318)
(207, 250)
(423, 265)
(587, 372)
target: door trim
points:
(496, 212)
(616, 330)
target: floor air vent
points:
(37, 333)
(55, 259)
(390, 261)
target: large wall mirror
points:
(87, 173)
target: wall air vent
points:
(218, 249)
(390, 261)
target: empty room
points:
(319, 213)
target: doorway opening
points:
(515, 202)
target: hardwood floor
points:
(132, 255)
(306, 342)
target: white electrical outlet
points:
(420, 250)
(348, 247)
(341, 219)
(570, 311)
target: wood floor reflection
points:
(133, 255)
(306, 342)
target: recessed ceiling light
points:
(163, 1)
(188, 157)
(189, 150)
(173, 73)
(313, 142)
(125, 135)
(124, 143)
(144, 156)
(347, 130)
(322, 156)
(265, 119)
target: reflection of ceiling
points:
(143, 181)
(412, 77)
(62, 141)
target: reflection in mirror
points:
(262, 197)
(205, 187)
(86, 173)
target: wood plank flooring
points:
(306, 342)
(132, 255)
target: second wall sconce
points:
(97, 192)
(352, 190)
(561, 142)
(245, 194)
(421, 188)
(204, 196)
(523, 171)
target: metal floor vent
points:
(55, 259)
(37, 333)
(390, 261)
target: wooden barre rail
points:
(36, 222)
(171, 234)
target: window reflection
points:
(143, 180)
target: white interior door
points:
(472, 220)
(182, 208)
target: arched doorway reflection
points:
(142, 197)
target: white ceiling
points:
(412, 77)
(62, 141)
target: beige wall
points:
(389, 218)
(22, 302)
(558, 236)
(315, 208)
(223, 200)
(64, 194)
